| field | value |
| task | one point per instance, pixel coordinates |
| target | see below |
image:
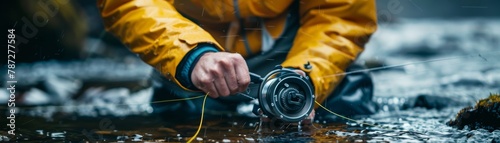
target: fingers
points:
(220, 82)
(242, 74)
(300, 72)
(221, 74)
(231, 79)
(211, 90)
(206, 84)
(236, 77)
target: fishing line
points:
(363, 123)
(174, 100)
(347, 118)
(201, 119)
(410, 63)
(154, 102)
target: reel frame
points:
(286, 95)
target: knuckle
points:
(225, 93)
(245, 85)
(225, 62)
(216, 72)
(239, 58)
(219, 59)
(205, 80)
(233, 56)
(233, 87)
(213, 70)
(245, 80)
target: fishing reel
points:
(284, 94)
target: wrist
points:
(189, 61)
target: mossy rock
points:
(485, 115)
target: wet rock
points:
(95, 70)
(466, 79)
(122, 138)
(496, 140)
(485, 115)
(137, 137)
(4, 138)
(373, 63)
(421, 50)
(430, 102)
(58, 135)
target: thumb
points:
(300, 72)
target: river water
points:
(445, 65)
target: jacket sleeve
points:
(155, 31)
(331, 36)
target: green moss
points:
(485, 115)
(494, 98)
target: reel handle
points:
(255, 78)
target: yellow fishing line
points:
(173, 100)
(162, 101)
(154, 102)
(344, 117)
(201, 120)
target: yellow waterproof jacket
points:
(332, 33)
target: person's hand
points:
(221, 74)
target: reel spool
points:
(286, 95)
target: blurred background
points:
(450, 50)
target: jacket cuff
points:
(188, 63)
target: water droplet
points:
(40, 132)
